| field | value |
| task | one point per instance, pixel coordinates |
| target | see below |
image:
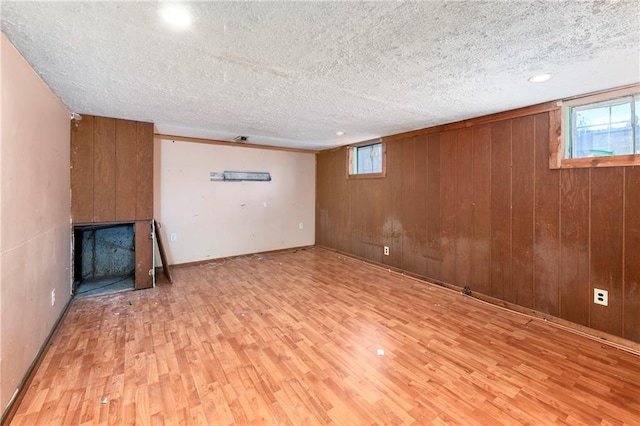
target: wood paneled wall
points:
(478, 206)
(111, 170)
(112, 180)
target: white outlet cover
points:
(301, 225)
(600, 297)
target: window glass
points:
(605, 128)
(368, 159)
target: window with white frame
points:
(597, 126)
(367, 159)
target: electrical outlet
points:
(173, 237)
(53, 297)
(386, 250)
(600, 297)
(301, 225)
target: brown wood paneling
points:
(464, 206)
(143, 255)
(144, 176)
(393, 224)
(574, 270)
(104, 189)
(477, 121)
(323, 198)
(342, 190)
(631, 296)
(420, 206)
(481, 215)
(448, 205)
(378, 194)
(82, 169)
(358, 221)
(408, 215)
(434, 256)
(547, 223)
(606, 246)
(126, 170)
(488, 210)
(501, 211)
(522, 211)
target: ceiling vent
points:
(241, 139)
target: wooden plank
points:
(522, 211)
(464, 206)
(342, 190)
(420, 206)
(609, 161)
(323, 199)
(104, 182)
(434, 256)
(547, 223)
(448, 204)
(159, 136)
(358, 202)
(501, 211)
(556, 141)
(166, 269)
(82, 169)
(143, 255)
(606, 247)
(409, 257)
(126, 170)
(144, 175)
(392, 226)
(481, 219)
(631, 298)
(575, 295)
(379, 195)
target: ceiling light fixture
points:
(541, 78)
(176, 15)
(340, 133)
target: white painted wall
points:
(219, 219)
(35, 248)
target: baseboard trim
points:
(605, 338)
(239, 256)
(14, 403)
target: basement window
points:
(602, 130)
(367, 160)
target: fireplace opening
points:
(104, 259)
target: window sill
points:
(367, 176)
(608, 161)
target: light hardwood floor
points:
(293, 338)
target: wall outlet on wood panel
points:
(600, 297)
(386, 250)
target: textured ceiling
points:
(293, 73)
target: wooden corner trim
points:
(159, 136)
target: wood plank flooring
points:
(293, 338)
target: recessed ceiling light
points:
(540, 78)
(176, 15)
(340, 133)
